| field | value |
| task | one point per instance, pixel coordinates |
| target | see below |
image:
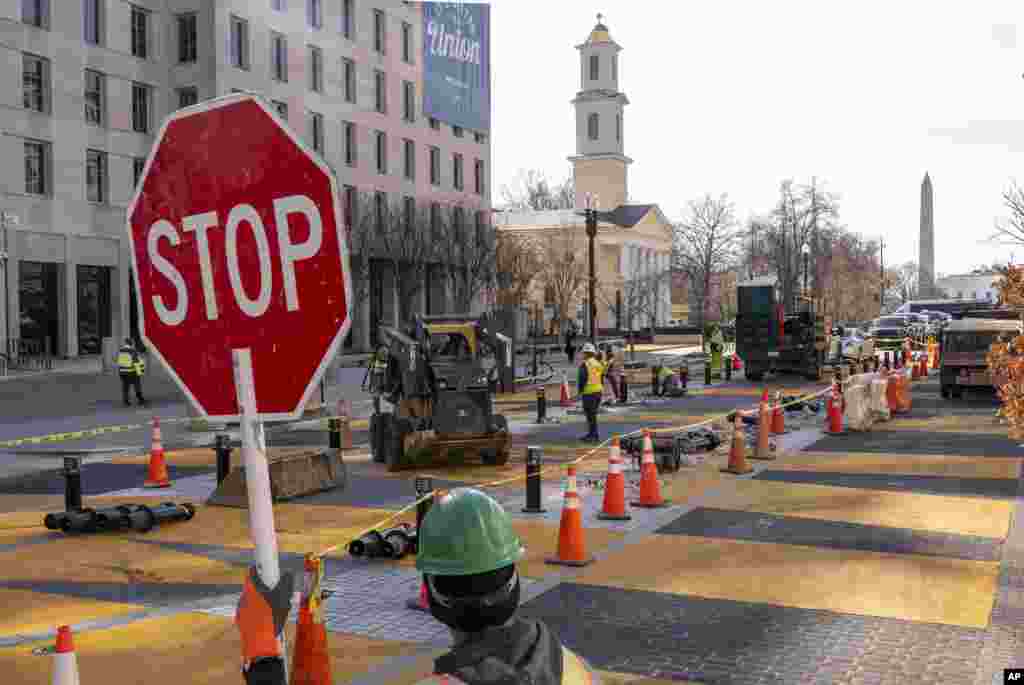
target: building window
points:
(314, 14)
(347, 19)
(188, 37)
(457, 171)
(618, 128)
(239, 43)
(380, 91)
(35, 78)
(138, 166)
(140, 108)
(382, 152)
(457, 131)
(592, 130)
(94, 97)
(407, 42)
(478, 176)
(379, 31)
(92, 11)
(279, 57)
(409, 101)
(350, 143)
(349, 206)
(348, 69)
(188, 96)
(140, 32)
(316, 69)
(36, 13)
(615, 67)
(435, 166)
(409, 211)
(37, 177)
(281, 107)
(316, 131)
(380, 209)
(480, 137)
(409, 157)
(434, 124)
(594, 67)
(96, 176)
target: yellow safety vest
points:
(595, 382)
(140, 367)
(125, 361)
(575, 671)
(664, 372)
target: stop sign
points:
(238, 242)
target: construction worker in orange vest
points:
(260, 618)
(467, 554)
(590, 383)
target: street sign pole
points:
(257, 472)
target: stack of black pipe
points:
(126, 516)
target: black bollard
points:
(654, 379)
(727, 361)
(542, 405)
(707, 372)
(72, 483)
(623, 389)
(334, 434)
(222, 446)
(684, 375)
(534, 457)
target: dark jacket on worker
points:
(521, 651)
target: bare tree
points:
(531, 191)
(518, 263)
(904, 281)
(563, 271)
(363, 245)
(407, 246)
(706, 243)
(1010, 229)
(466, 252)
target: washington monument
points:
(926, 256)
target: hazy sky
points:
(736, 96)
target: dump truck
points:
(769, 340)
(442, 374)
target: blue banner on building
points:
(457, 63)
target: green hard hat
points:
(464, 533)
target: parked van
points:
(965, 346)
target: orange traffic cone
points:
(650, 487)
(924, 367)
(614, 507)
(834, 415)
(566, 395)
(65, 664)
(572, 549)
(157, 466)
(915, 370)
(763, 450)
(422, 603)
(310, 663)
(778, 418)
(738, 453)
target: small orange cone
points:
(310, 662)
(614, 507)
(650, 487)
(571, 546)
(834, 415)
(157, 477)
(763, 450)
(915, 370)
(778, 418)
(65, 664)
(738, 453)
(566, 395)
(423, 602)
(924, 367)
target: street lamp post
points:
(806, 250)
(591, 216)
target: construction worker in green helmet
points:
(467, 555)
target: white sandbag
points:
(858, 414)
(879, 404)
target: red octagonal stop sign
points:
(238, 242)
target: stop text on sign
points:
(239, 216)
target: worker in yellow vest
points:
(590, 384)
(131, 367)
(467, 554)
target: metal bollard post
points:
(72, 483)
(534, 457)
(684, 375)
(423, 485)
(728, 367)
(654, 380)
(222, 446)
(624, 389)
(542, 405)
(334, 434)
(707, 372)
